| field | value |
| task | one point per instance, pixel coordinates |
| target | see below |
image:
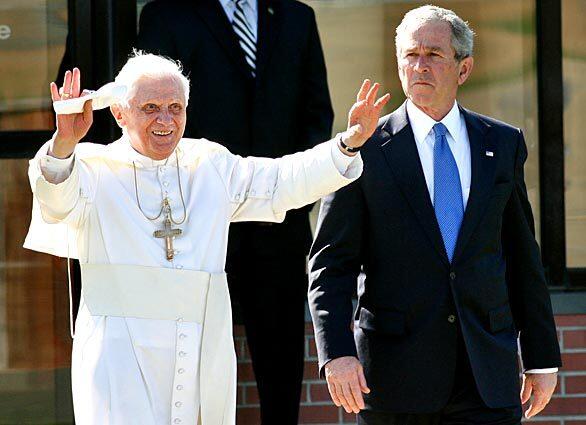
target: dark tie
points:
(245, 35)
(448, 201)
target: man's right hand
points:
(71, 128)
(346, 383)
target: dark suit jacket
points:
(285, 109)
(414, 304)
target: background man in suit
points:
(259, 87)
(443, 231)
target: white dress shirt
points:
(250, 11)
(457, 136)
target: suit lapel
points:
(403, 159)
(269, 25)
(213, 15)
(483, 169)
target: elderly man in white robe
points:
(148, 216)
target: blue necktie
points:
(447, 192)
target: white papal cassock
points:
(140, 345)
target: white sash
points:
(169, 294)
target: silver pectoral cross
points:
(169, 234)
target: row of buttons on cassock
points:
(180, 371)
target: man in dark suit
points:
(258, 84)
(441, 226)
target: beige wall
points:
(574, 68)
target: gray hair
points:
(462, 34)
(141, 64)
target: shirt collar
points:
(421, 123)
(227, 3)
(125, 152)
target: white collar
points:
(126, 153)
(251, 3)
(421, 123)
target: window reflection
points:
(358, 42)
(32, 42)
(35, 344)
(574, 69)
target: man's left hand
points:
(541, 386)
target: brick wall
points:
(567, 407)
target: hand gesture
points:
(542, 386)
(71, 128)
(346, 383)
(364, 114)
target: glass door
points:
(35, 344)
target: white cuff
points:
(341, 160)
(56, 170)
(539, 371)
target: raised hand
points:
(71, 128)
(346, 383)
(364, 114)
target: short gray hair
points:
(462, 34)
(141, 64)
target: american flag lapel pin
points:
(489, 153)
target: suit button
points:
(452, 275)
(451, 318)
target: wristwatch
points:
(346, 147)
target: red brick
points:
(571, 320)
(245, 351)
(575, 384)
(574, 423)
(575, 339)
(303, 398)
(239, 393)
(565, 406)
(558, 387)
(238, 330)
(574, 361)
(238, 348)
(312, 348)
(251, 394)
(317, 414)
(319, 392)
(548, 423)
(248, 416)
(350, 417)
(310, 370)
(245, 373)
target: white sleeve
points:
(341, 161)
(56, 170)
(264, 189)
(62, 188)
(538, 371)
